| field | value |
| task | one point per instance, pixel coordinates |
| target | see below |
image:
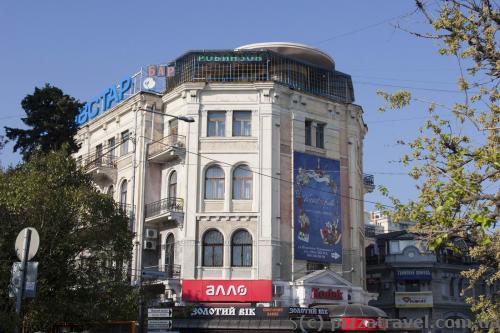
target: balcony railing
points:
(169, 142)
(164, 206)
(95, 161)
(172, 271)
(368, 182)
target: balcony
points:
(167, 149)
(172, 271)
(168, 209)
(368, 183)
(101, 167)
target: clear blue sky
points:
(84, 46)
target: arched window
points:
(241, 249)
(213, 249)
(169, 252)
(172, 185)
(214, 183)
(123, 193)
(242, 183)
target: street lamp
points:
(186, 119)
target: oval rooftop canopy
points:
(297, 51)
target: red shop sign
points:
(317, 293)
(227, 290)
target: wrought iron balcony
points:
(168, 208)
(168, 148)
(102, 167)
(368, 182)
(172, 271)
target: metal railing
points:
(164, 206)
(172, 271)
(368, 180)
(94, 161)
(166, 143)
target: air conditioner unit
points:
(149, 245)
(278, 290)
(151, 233)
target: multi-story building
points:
(242, 175)
(415, 283)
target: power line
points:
(366, 27)
(409, 87)
(265, 175)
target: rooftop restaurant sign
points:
(104, 101)
(229, 58)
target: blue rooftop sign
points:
(104, 101)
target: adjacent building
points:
(415, 283)
(241, 171)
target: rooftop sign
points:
(104, 101)
(228, 58)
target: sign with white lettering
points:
(297, 311)
(227, 290)
(160, 313)
(414, 274)
(159, 324)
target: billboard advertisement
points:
(227, 290)
(317, 224)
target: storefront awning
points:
(237, 324)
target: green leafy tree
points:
(85, 245)
(455, 158)
(50, 121)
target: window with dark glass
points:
(241, 249)
(242, 183)
(123, 193)
(320, 135)
(216, 123)
(214, 183)
(169, 251)
(308, 133)
(213, 249)
(111, 147)
(242, 123)
(125, 136)
(172, 186)
(98, 154)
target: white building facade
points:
(214, 202)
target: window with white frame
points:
(216, 123)
(242, 183)
(213, 249)
(214, 183)
(242, 123)
(125, 136)
(241, 249)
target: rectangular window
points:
(320, 135)
(242, 123)
(98, 155)
(216, 123)
(124, 144)
(308, 133)
(111, 147)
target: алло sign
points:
(103, 102)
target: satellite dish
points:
(34, 243)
